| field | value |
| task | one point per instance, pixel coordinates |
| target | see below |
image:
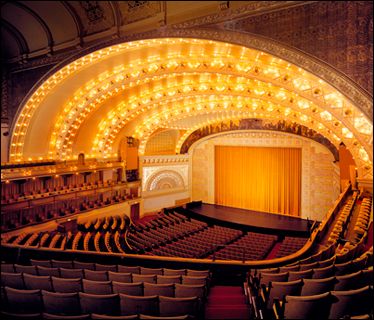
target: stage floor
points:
(252, 218)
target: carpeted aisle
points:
(226, 302)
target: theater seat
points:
(168, 279)
(23, 301)
(12, 280)
(103, 316)
(20, 316)
(120, 277)
(351, 302)
(66, 285)
(135, 305)
(307, 307)
(178, 306)
(185, 290)
(50, 316)
(317, 286)
(61, 303)
(37, 282)
(133, 289)
(101, 304)
(151, 289)
(97, 287)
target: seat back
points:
(37, 282)
(178, 306)
(135, 305)
(265, 277)
(101, 304)
(71, 273)
(97, 287)
(128, 269)
(43, 263)
(12, 280)
(168, 279)
(308, 266)
(351, 302)
(95, 275)
(105, 267)
(194, 280)
(296, 275)
(348, 281)
(51, 316)
(132, 289)
(174, 272)
(66, 285)
(150, 278)
(25, 269)
(281, 289)
(186, 290)
(23, 301)
(61, 303)
(343, 268)
(62, 264)
(325, 272)
(327, 262)
(295, 267)
(151, 289)
(307, 307)
(317, 286)
(84, 265)
(7, 267)
(151, 271)
(198, 273)
(120, 277)
(45, 271)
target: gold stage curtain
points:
(258, 178)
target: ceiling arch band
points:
(139, 90)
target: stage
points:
(250, 218)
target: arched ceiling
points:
(140, 87)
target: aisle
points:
(226, 302)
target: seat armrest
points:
(278, 308)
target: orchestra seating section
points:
(68, 288)
(290, 245)
(170, 234)
(251, 246)
(331, 280)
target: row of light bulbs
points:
(239, 60)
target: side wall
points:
(320, 175)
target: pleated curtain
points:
(258, 178)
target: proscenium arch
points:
(349, 105)
(188, 139)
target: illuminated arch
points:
(90, 102)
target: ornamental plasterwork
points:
(252, 8)
(166, 179)
(150, 173)
(163, 159)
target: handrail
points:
(323, 227)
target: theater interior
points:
(187, 160)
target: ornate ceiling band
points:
(357, 95)
(134, 82)
(361, 98)
(258, 124)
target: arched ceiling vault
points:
(139, 87)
